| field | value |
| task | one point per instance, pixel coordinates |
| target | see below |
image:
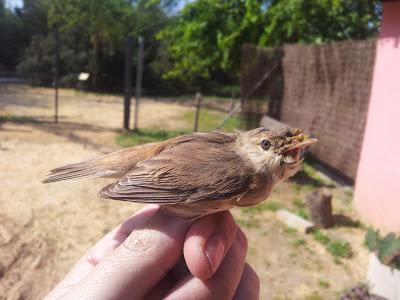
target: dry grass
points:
(60, 221)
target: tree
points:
(301, 21)
(208, 34)
(103, 23)
(106, 24)
(11, 38)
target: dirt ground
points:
(44, 229)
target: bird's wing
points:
(114, 164)
(195, 168)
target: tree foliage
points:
(302, 21)
(209, 34)
(93, 36)
(197, 46)
(10, 28)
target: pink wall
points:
(377, 195)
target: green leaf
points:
(372, 239)
(389, 248)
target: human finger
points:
(249, 286)
(139, 263)
(223, 284)
(101, 249)
(207, 242)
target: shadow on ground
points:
(65, 129)
(345, 221)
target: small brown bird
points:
(200, 173)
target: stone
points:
(294, 221)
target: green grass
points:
(210, 119)
(263, 206)
(6, 118)
(302, 213)
(313, 296)
(349, 191)
(299, 203)
(308, 178)
(249, 222)
(14, 118)
(337, 260)
(320, 237)
(296, 187)
(299, 242)
(142, 136)
(338, 248)
(324, 284)
(289, 230)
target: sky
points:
(14, 3)
(18, 3)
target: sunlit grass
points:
(6, 118)
(142, 136)
(337, 248)
(298, 203)
(308, 179)
(302, 213)
(324, 284)
(249, 222)
(263, 206)
(209, 120)
(299, 242)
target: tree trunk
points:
(319, 204)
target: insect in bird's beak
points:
(293, 150)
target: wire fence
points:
(323, 89)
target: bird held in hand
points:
(200, 173)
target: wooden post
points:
(319, 204)
(127, 82)
(56, 73)
(196, 117)
(233, 100)
(139, 74)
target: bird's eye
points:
(265, 144)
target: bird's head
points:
(279, 150)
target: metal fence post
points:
(128, 82)
(56, 73)
(198, 106)
(138, 89)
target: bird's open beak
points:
(299, 144)
(292, 151)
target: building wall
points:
(377, 195)
(326, 92)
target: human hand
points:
(153, 255)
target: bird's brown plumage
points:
(192, 174)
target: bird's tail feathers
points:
(78, 171)
(114, 164)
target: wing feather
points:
(114, 164)
(202, 167)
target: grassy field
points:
(58, 223)
(208, 121)
(305, 181)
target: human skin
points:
(153, 255)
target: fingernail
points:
(215, 250)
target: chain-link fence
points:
(323, 89)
